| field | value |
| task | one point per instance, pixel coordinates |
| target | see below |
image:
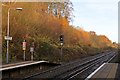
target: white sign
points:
(31, 49)
(8, 38)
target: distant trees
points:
(61, 9)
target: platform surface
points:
(107, 71)
(22, 64)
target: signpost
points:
(24, 49)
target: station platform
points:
(21, 64)
(14, 64)
(106, 71)
(24, 69)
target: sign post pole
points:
(24, 55)
(24, 48)
(31, 56)
(32, 50)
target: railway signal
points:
(61, 43)
(61, 38)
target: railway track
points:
(71, 70)
(83, 69)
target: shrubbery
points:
(34, 24)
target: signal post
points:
(61, 44)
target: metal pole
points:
(7, 54)
(61, 52)
(31, 56)
(24, 55)
(32, 51)
(8, 28)
(8, 35)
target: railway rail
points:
(80, 71)
(71, 70)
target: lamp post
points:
(8, 38)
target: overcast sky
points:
(100, 16)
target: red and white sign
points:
(24, 45)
